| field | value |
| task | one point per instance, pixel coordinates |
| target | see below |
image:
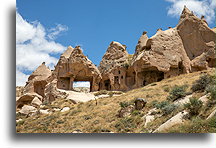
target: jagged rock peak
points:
(141, 42)
(115, 55)
(185, 13)
(42, 70)
(68, 52)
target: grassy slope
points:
(89, 117)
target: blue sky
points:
(93, 24)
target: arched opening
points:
(107, 85)
(81, 86)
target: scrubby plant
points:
(202, 83)
(124, 104)
(177, 92)
(212, 91)
(195, 125)
(166, 107)
(194, 106)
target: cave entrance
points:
(81, 86)
(107, 85)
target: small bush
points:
(177, 92)
(124, 104)
(212, 90)
(161, 104)
(166, 107)
(194, 106)
(201, 83)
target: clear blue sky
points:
(96, 23)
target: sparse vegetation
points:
(196, 125)
(194, 106)
(177, 92)
(202, 83)
(103, 116)
(166, 107)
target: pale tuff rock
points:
(177, 119)
(38, 80)
(27, 109)
(27, 99)
(65, 109)
(76, 67)
(188, 47)
(212, 114)
(36, 102)
(44, 111)
(115, 56)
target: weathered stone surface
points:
(75, 66)
(177, 119)
(52, 93)
(188, 47)
(19, 91)
(113, 67)
(27, 109)
(212, 114)
(38, 80)
(36, 102)
(65, 109)
(44, 111)
(27, 98)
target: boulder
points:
(27, 109)
(212, 114)
(38, 80)
(65, 109)
(44, 111)
(140, 103)
(36, 102)
(27, 99)
(177, 119)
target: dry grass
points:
(89, 117)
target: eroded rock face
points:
(188, 47)
(198, 40)
(75, 66)
(38, 80)
(27, 99)
(113, 67)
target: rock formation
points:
(38, 80)
(75, 66)
(188, 47)
(113, 67)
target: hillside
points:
(102, 114)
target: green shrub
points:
(166, 107)
(212, 90)
(124, 104)
(194, 106)
(177, 92)
(201, 83)
(161, 104)
(196, 125)
(128, 124)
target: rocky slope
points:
(102, 115)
